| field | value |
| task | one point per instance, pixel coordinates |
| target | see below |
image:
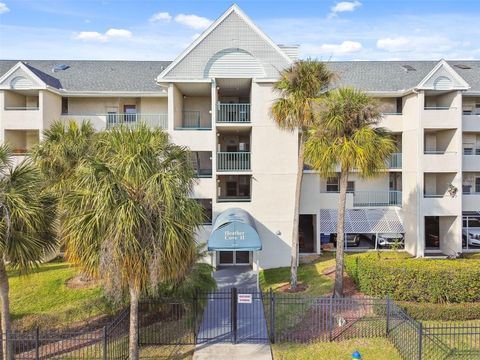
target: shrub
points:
(420, 280)
(442, 312)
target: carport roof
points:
(363, 221)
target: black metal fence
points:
(244, 315)
(302, 319)
(109, 342)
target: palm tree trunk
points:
(133, 335)
(298, 185)
(338, 289)
(5, 313)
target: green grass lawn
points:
(42, 298)
(309, 274)
(370, 349)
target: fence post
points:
(420, 340)
(104, 343)
(272, 316)
(330, 323)
(234, 314)
(195, 296)
(37, 343)
(388, 315)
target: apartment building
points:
(215, 98)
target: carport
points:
(363, 221)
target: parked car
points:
(352, 239)
(473, 237)
(388, 240)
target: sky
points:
(160, 29)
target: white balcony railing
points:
(133, 120)
(233, 161)
(377, 198)
(25, 108)
(374, 198)
(395, 161)
(233, 113)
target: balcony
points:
(438, 117)
(471, 122)
(21, 118)
(133, 120)
(193, 120)
(377, 198)
(233, 113)
(392, 121)
(471, 159)
(395, 161)
(233, 161)
(471, 201)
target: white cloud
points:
(161, 17)
(193, 21)
(3, 8)
(346, 47)
(109, 35)
(344, 6)
(416, 43)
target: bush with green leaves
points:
(442, 312)
(419, 280)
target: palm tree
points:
(62, 147)
(26, 216)
(299, 88)
(345, 135)
(129, 220)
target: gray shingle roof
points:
(140, 76)
(96, 75)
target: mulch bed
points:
(349, 286)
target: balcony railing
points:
(377, 198)
(233, 161)
(395, 161)
(439, 107)
(245, 198)
(233, 113)
(133, 120)
(22, 108)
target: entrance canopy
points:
(363, 221)
(234, 230)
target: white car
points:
(473, 236)
(387, 240)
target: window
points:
(351, 187)
(64, 106)
(477, 184)
(130, 113)
(467, 149)
(332, 184)
(399, 105)
(207, 208)
(202, 163)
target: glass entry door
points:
(234, 258)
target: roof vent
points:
(408, 68)
(462, 66)
(60, 67)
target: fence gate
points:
(232, 315)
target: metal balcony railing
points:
(377, 198)
(225, 198)
(22, 108)
(395, 161)
(233, 161)
(133, 120)
(233, 113)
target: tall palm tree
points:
(299, 88)
(129, 219)
(26, 216)
(345, 135)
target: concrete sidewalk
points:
(221, 351)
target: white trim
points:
(213, 26)
(442, 63)
(114, 93)
(21, 65)
(167, 81)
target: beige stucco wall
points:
(51, 107)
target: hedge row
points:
(442, 312)
(419, 280)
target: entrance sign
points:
(244, 298)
